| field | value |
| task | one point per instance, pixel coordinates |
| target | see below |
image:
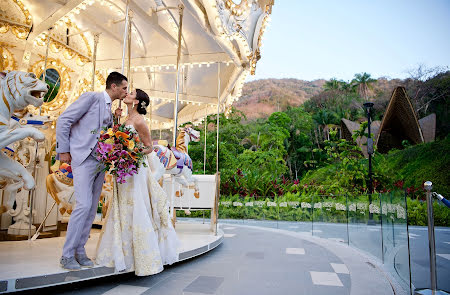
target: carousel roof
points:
(220, 46)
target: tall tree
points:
(332, 84)
(362, 83)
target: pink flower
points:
(105, 147)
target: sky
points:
(314, 39)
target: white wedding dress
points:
(138, 234)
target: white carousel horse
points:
(18, 90)
(176, 161)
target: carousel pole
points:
(177, 86)
(45, 59)
(94, 59)
(152, 85)
(32, 192)
(130, 83)
(175, 107)
(217, 149)
(2, 67)
(125, 38)
(204, 150)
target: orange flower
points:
(132, 155)
(120, 134)
(126, 142)
(137, 139)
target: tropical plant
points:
(362, 83)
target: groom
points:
(76, 145)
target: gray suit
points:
(74, 134)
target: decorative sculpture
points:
(176, 160)
(60, 187)
(18, 90)
(106, 195)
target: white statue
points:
(18, 90)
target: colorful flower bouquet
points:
(120, 151)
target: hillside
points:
(260, 98)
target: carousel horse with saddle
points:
(176, 160)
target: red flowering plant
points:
(120, 151)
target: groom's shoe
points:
(83, 260)
(69, 263)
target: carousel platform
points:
(26, 265)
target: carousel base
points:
(29, 265)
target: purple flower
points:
(105, 147)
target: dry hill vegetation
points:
(261, 98)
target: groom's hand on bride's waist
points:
(65, 157)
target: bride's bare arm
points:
(144, 135)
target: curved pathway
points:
(254, 260)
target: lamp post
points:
(368, 107)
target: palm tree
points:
(345, 86)
(332, 84)
(362, 83)
(335, 84)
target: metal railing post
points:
(431, 240)
(428, 185)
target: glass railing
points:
(375, 225)
(364, 224)
(396, 250)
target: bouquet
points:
(120, 151)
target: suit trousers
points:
(87, 182)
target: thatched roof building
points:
(348, 128)
(399, 123)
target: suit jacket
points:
(78, 127)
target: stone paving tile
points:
(295, 251)
(325, 279)
(204, 285)
(126, 289)
(255, 255)
(340, 268)
(446, 256)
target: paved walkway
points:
(258, 261)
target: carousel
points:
(191, 57)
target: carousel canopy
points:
(219, 46)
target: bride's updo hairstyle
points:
(144, 101)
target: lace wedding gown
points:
(138, 234)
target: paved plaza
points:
(254, 260)
(269, 257)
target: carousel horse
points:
(106, 195)
(7, 185)
(18, 90)
(60, 187)
(175, 160)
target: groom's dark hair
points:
(115, 78)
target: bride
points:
(138, 234)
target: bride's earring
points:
(133, 105)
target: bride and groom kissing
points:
(138, 234)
